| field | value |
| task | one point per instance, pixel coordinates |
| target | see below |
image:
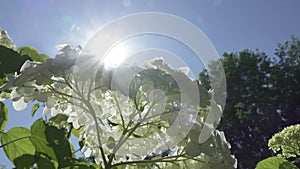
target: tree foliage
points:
(263, 94)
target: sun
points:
(116, 56)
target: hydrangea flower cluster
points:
(129, 115)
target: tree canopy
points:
(263, 96)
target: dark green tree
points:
(263, 96)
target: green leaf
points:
(34, 109)
(111, 143)
(193, 149)
(28, 161)
(57, 138)
(121, 167)
(24, 161)
(82, 164)
(16, 143)
(40, 141)
(3, 116)
(112, 123)
(206, 148)
(136, 135)
(59, 120)
(32, 53)
(52, 142)
(76, 132)
(44, 162)
(10, 62)
(275, 163)
(3, 79)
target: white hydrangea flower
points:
(5, 40)
(109, 114)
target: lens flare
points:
(116, 56)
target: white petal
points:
(54, 112)
(76, 124)
(28, 99)
(14, 95)
(26, 65)
(41, 97)
(184, 70)
(46, 111)
(68, 110)
(98, 160)
(50, 102)
(20, 104)
(71, 118)
(60, 47)
(82, 119)
(88, 152)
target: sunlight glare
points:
(116, 56)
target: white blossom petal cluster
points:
(126, 117)
(5, 40)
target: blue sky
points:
(230, 25)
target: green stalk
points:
(123, 138)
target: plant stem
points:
(93, 113)
(163, 159)
(119, 110)
(123, 138)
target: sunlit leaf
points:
(3, 116)
(275, 163)
(16, 143)
(32, 53)
(39, 139)
(34, 109)
(59, 120)
(51, 142)
(76, 132)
